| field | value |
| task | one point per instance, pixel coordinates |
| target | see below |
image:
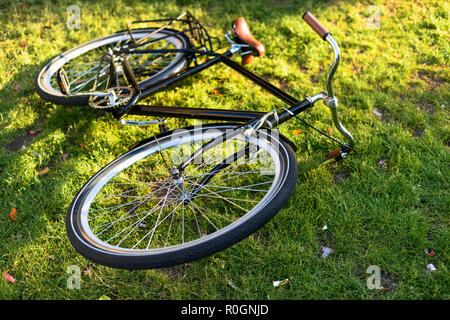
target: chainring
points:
(112, 98)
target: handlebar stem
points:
(331, 100)
(334, 66)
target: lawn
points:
(382, 206)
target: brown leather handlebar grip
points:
(315, 25)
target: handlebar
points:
(315, 25)
(330, 100)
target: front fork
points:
(272, 119)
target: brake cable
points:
(345, 147)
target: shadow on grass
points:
(42, 200)
(26, 148)
(48, 118)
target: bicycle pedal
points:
(333, 156)
(63, 81)
(335, 153)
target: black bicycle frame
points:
(251, 120)
(214, 114)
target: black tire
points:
(238, 232)
(47, 92)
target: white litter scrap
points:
(231, 284)
(280, 283)
(325, 227)
(431, 267)
(276, 283)
(377, 113)
(326, 251)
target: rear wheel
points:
(136, 213)
(80, 66)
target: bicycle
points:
(187, 193)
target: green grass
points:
(375, 216)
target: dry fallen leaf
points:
(64, 156)
(9, 277)
(297, 131)
(43, 171)
(381, 163)
(13, 213)
(88, 271)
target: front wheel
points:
(138, 212)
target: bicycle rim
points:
(82, 64)
(120, 214)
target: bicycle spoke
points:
(203, 214)
(136, 224)
(229, 201)
(82, 71)
(120, 206)
(157, 224)
(110, 224)
(147, 206)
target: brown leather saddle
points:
(242, 32)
